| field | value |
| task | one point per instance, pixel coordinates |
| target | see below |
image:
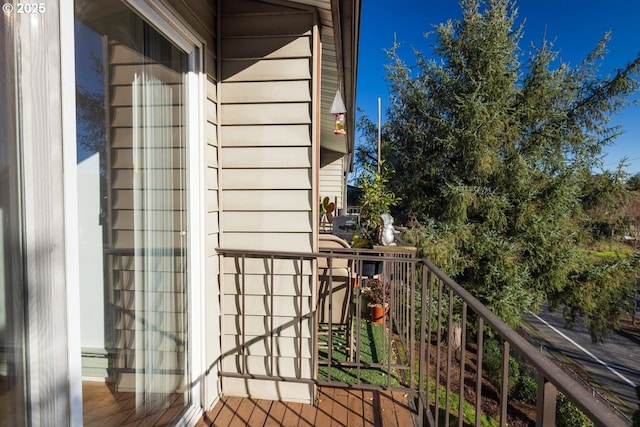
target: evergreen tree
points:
(490, 148)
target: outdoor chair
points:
(335, 308)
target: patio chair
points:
(335, 308)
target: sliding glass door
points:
(13, 378)
(132, 209)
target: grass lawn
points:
(374, 349)
(610, 249)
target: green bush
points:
(525, 390)
(568, 415)
(491, 357)
(492, 364)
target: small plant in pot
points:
(379, 294)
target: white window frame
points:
(168, 24)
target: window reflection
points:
(132, 217)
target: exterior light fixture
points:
(339, 109)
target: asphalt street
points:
(612, 368)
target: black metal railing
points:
(430, 344)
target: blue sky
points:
(575, 27)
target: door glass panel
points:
(132, 217)
(12, 304)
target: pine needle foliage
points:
(490, 145)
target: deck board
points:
(307, 416)
(292, 414)
(369, 414)
(334, 407)
(355, 403)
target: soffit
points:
(340, 29)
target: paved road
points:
(612, 366)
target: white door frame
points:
(167, 23)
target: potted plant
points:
(378, 292)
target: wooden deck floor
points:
(334, 407)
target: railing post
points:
(546, 406)
(423, 368)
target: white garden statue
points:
(387, 236)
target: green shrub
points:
(568, 415)
(492, 364)
(491, 357)
(525, 390)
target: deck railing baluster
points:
(480, 348)
(504, 390)
(416, 322)
(463, 346)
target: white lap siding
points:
(267, 187)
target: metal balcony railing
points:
(430, 345)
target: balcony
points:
(438, 357)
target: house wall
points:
(267, 192)
(332, 182)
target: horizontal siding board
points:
(266, 182)
(269, 390)
(268, 47)
(266, 92)
(236, 7)
(210, 67)
(258, 365)
(268, 241)
(260, 346)
(261, 325)
(266, 70)
(266, 200)
(212, 241)
(212, 270)
(266, 157)
(260, 222)
(212, 224)
(212, 90)
(266, 135)
(211, 156)
(211, 176)
(211, 112)
(267, 179)
(256, 266)
(260, 284)
(211, 134)
(260, 25)
(264, 114)
(212, 200)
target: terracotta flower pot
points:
(379, 313)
